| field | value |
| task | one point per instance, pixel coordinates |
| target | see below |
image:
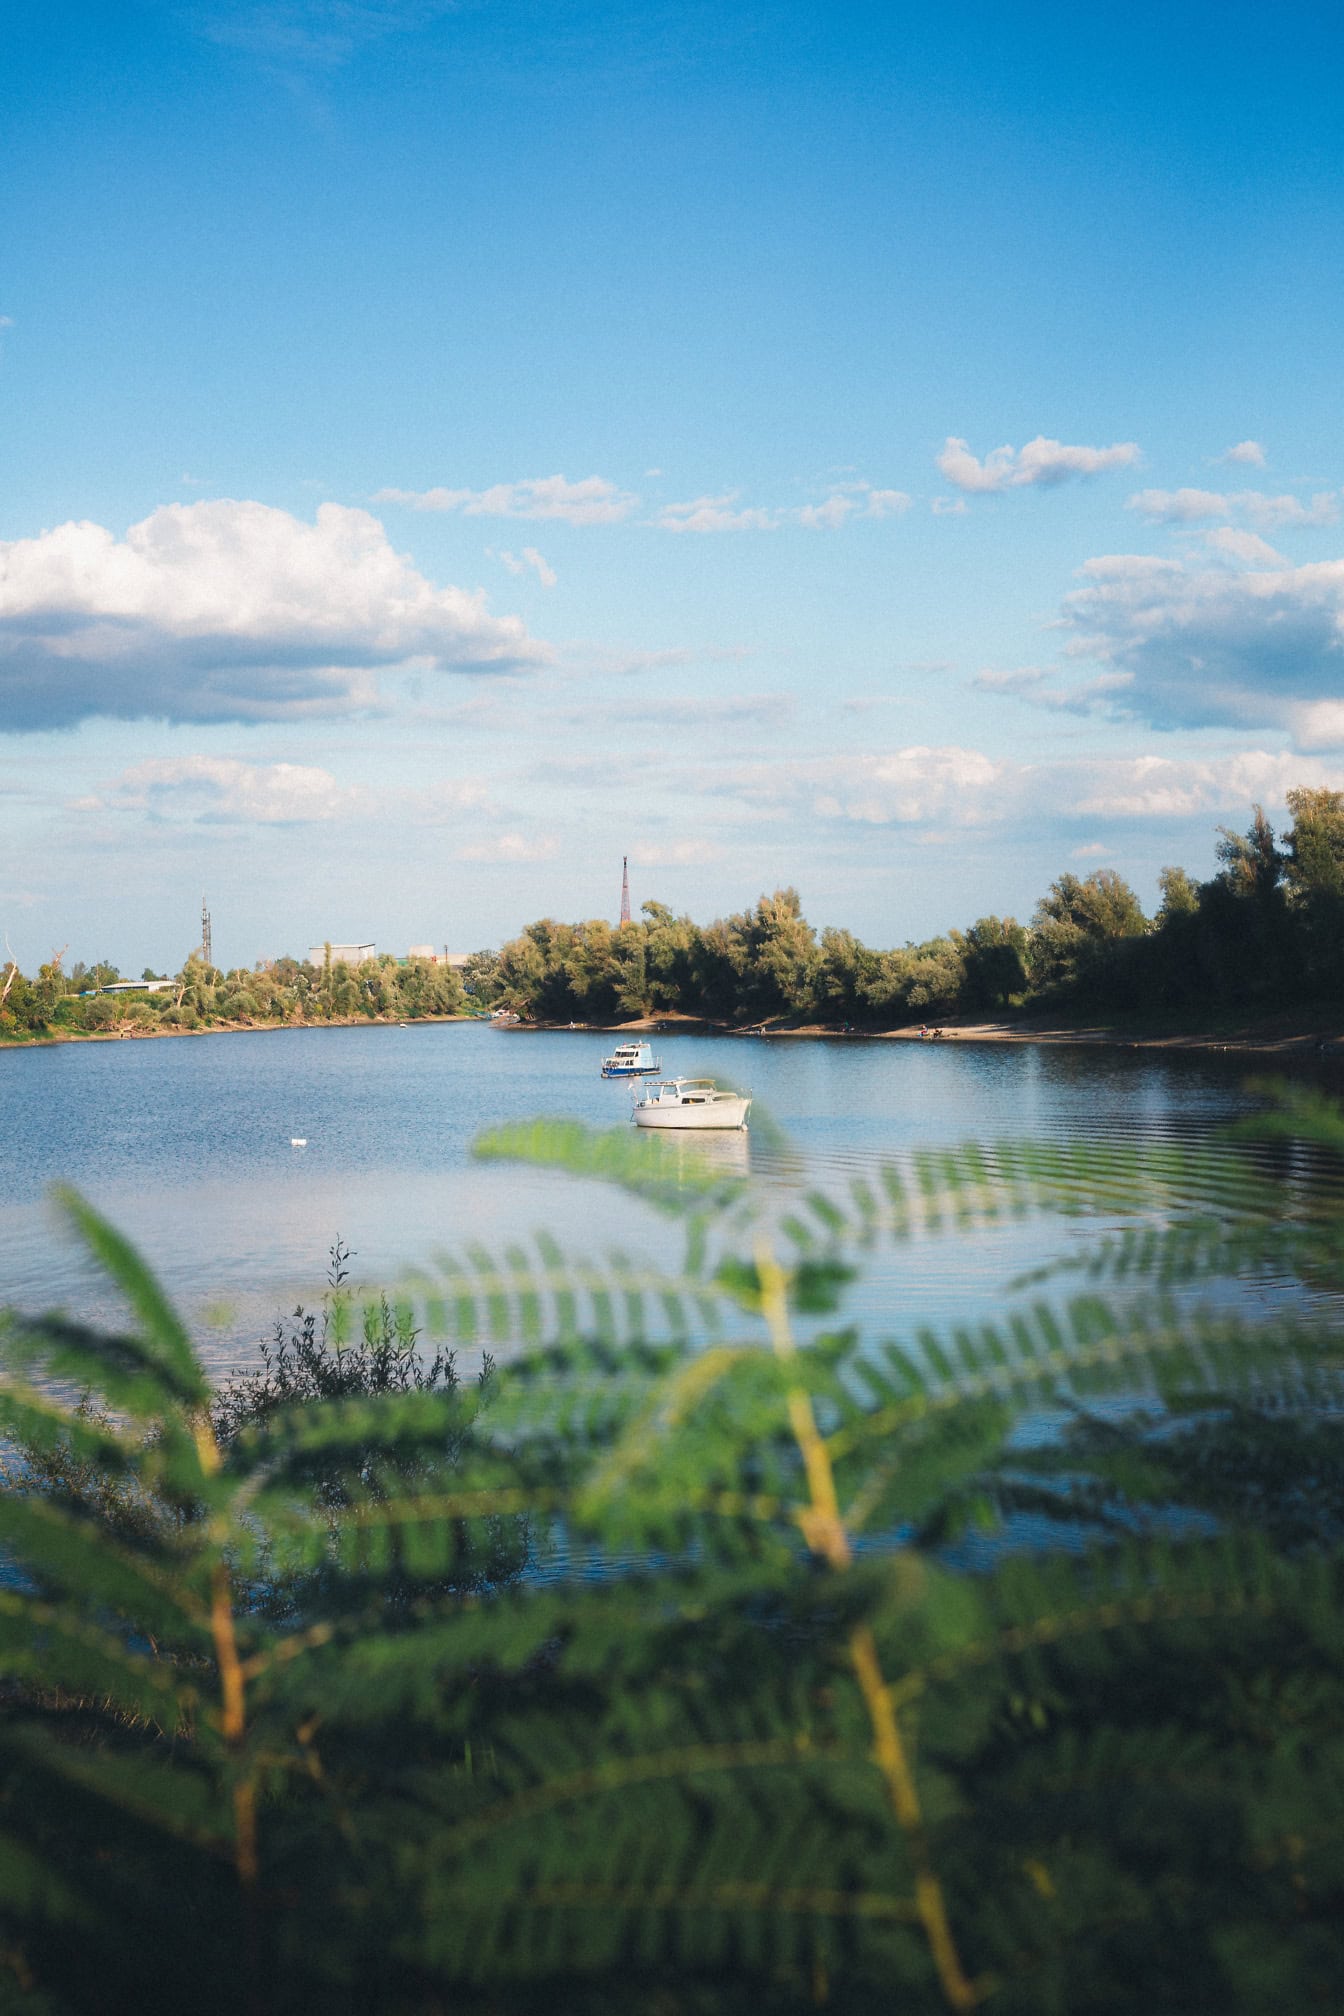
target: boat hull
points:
(717, 1114)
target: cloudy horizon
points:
(787, 460)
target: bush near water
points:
(710, 1656)
(1265, 932)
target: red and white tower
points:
(625, 888)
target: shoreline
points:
(1278, 1035)
(60, 1036)
(1289, 1037)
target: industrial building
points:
(342, 955)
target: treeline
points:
(201, 996)
(1266, 931)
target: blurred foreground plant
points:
(843, 1672)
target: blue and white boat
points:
(631, 1060)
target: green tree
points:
(995, 960)
(1079, 937)
(1314, 875)
(845, 978)
(480, 977)
(670, 959)
(1251, 954)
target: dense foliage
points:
(1265, 932)
(997, 1667)
(203, 997)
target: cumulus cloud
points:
(1159, 787)
(591, 501)
(519, 564)
(1253, 507)
(1244, 451)
(953, 788)
(227, 611)
(219, 789)
(1042, 461)
(1201, 645)
(1317, 724)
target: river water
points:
(187, 1145)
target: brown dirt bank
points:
(1290, 1035)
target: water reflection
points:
(691, 1157)
(186, 1144)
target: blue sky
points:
(890, 450)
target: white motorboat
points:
(631, 1060)
(691, 1103)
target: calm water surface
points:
(186, 1145)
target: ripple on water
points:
(187, 1145)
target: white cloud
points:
(1042, 461)
(673, 710)
(904, 787)
(845, 501)
(714, 514)
(1202, 645)
(949, 507)
(545, 573)
(849, 500)
(1244, 451)
(591, 501)
(443, 802)
(1179, 507)
(587, 660)
(519, 564)
(954, 789)
(1043, 689)
(1317, 724)
(506, 847)
(1255, 507)
(677, 854)
(216, 789)
(1247, 547)
(227, 611)
(1159, 787)
(313, 34)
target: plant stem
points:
(824, 1531)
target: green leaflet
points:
(166, 1348)
(588, 1690)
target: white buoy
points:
(298, 1140)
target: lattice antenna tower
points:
(206, 952)
(625, 888)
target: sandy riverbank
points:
(1283, 1036)
(1286, 1036)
